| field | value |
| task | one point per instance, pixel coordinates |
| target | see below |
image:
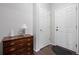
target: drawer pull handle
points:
(12, 49)
(28, 39)
(21, 44)
(28, 53)
(28, 48)
(28, 44)
(12, 43)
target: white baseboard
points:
(53, 44)
(36, 50)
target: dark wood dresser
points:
(18, 45)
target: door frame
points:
(77, 26)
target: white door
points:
(65, 26)
(44, 25)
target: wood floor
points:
(45, 51)
(54, 50)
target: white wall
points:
(13, 16)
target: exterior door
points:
(65, 26)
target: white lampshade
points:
(11, 33)
(24, 29)
(24, 26)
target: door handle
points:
(57, 29)
(40, 29)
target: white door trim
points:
(77, 26)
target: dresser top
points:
(16, 37)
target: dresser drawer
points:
(9, 43)
(21, 51)
(13, 42)
(9, 50)
(14, 48)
